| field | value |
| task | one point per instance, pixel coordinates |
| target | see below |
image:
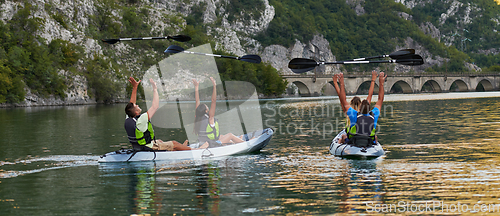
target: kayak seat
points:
(361, 141)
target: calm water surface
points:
(442, 158)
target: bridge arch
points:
(365, 87)
(303, 89)
(328, 89)
(431, 86)
(458, 86)
(401, 87)
(484, 85)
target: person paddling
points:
(139, 128)
(206, 125)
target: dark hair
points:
(200, 112)
(355, 102)
(129, 110)
(365, 107)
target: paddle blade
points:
(110, 41)
(401, 53)
(301, 65)
(174, 49)
(251, 58)
(411, 60)
(180, 38)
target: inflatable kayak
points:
(349, 150)
(262, 138)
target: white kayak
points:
(348, 150)
(262, 138)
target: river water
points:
(442, 157)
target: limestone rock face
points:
(412, 3)
(234, 36)
(429, 29)
(76, 19)
(233, 31)
(429, 59)
(492, 51)
(357, 6)
(318, 48)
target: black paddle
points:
(395, 55)
(301, 65)
(180, 38)
(248, 58)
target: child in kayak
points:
(139, 128)
(205, 124)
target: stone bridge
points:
(311, 85)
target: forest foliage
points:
(381, 28)
(28, 61)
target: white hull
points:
(347, 150)
(239, 148)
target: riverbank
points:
(34, 102)
(401, 97)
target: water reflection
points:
(445, 151)
(208, 180)
(139, 182)
(183, 187)
(443, 174)
(146, 198)
(362, 183)
(321, 183)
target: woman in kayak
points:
(355, 101)
(139, 128)
(205, 124)
(356, 104)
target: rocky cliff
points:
(232, 29)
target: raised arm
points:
(335, 78)
(135, 84)
(196, 93)
(156, 100)
(381, 80)
(342, 96)
(211, 113)
(372, 86)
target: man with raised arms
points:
(139, 128)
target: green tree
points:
(102, 74)
(263, 76)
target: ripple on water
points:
(348, 185)
(32, 165)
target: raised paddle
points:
(248, 58)
(395, 55)
(301, 65)
(180, 38)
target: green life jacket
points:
(206, 132)
(135, 136)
